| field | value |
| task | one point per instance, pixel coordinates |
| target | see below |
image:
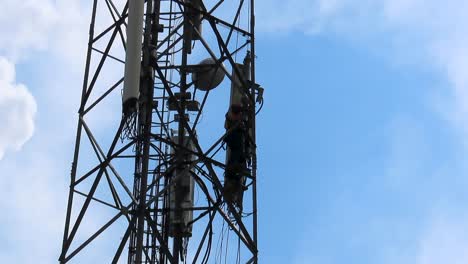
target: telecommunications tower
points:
(164, 167)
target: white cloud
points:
(33, 181)
(69, 38)
(26, 26)
(17, 110)
(56, 28)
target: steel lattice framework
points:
(125, 178)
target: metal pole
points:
(180, 152)
(254, 154)
(145, 119)
(78, 134)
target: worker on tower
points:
(236, 143)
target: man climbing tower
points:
(236, 160)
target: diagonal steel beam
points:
(88, 199)
(102, 164)
(109, 164)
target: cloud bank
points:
(17, 110)
(38, 35)
(56, 28)
(27, 27)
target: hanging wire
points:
(227, 244)
(219, 247)
(208, 247)
(129, 130)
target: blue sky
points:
(362, 139)
(350, 118)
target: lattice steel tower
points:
(164, 168)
